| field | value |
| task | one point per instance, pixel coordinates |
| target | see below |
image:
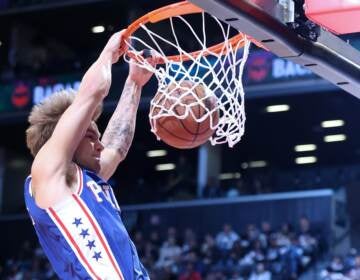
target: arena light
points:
(335, 138)
(277, 108)
(257, 164)
(156, 153)
(332, 123)
(0, 43)
(305, 148)
(305, 160)
(98, 29)
(229, 176)
(244, 165)
(165, 166)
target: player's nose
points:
(99, 146)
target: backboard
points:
(282, 27)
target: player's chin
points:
(95, 166)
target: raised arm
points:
(120, 130)
(52, 162)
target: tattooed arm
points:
(120, 130)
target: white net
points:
(219, 74)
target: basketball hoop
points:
(215, 66)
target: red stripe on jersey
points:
(57, 218)
(77, 199)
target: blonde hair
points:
(44, 117)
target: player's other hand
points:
(141, 75)
(115, 47)
(98, 78)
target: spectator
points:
(209, 252)
(260, 273)
(354, 273)
(151, 254)
(172, 233)
(190, 273)
(337, 264)
(306, 237)
(169, 254)
(208, 244)
(350, 259)
(155, 238)
(252, 233)
(304, 225)
(140, 242)
(237, 189)
(265, 233)
(236, 276)
(212, 188)
(190, 242)
(258, 186)
(283, 237)
(226, 238)
(256, 254)
(237, 250)
(291, 256)
(273, 256)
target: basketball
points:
(183, 131)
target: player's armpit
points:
(50, 186)
(48, 193)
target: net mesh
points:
(220, 74)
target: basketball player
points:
(73, 209)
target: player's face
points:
(89, 150)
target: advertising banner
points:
(262, 68)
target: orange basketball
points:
(184, 133)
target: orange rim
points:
(180, 9)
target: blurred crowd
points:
(343, 267)
(29, 263)
(268, 180)
(177, 186)
(258, 253)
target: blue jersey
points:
(84, 236)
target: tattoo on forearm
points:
(120, 131)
